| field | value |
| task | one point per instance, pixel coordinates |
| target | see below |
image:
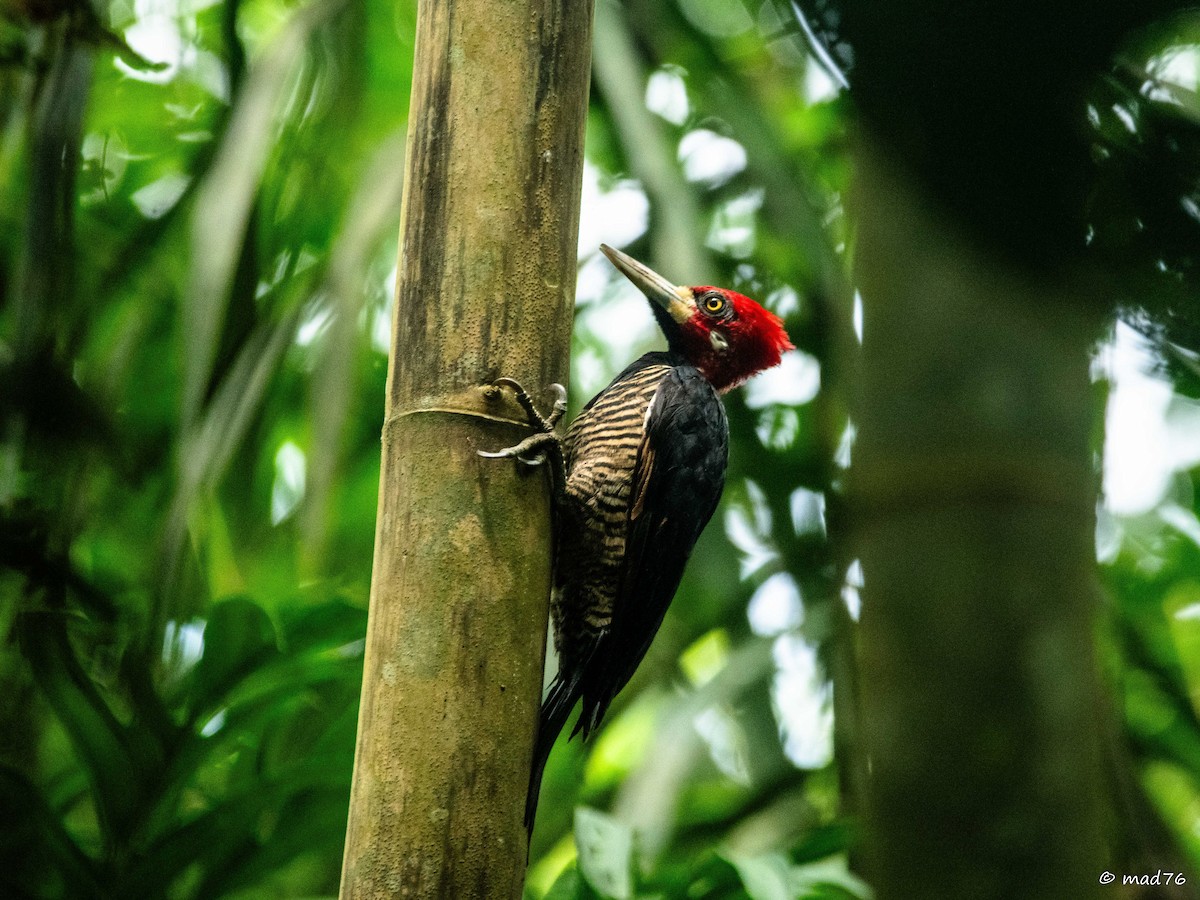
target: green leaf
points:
(605, 853)
(305, 823)
(822, 841)
(331, 623)
(569, 886)
(238, 639)
(830, 872)
(37, 849)
(115, 772)
(772, 877)
(763, 877)
(224, 832)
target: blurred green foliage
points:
(200, 205)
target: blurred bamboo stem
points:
(334, 388)
(973, 490)
(677, 240)
(455, 641)
(219, 404)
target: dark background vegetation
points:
(197, 248)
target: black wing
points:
(677, 483)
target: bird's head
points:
(726, 335)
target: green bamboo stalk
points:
(455, 642)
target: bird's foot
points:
(534, 449)
(536, 419)
(535, 442)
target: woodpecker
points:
(635, 481)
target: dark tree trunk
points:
(974, 490)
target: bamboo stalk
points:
(455, 641)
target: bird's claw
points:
(511, 453)
(536, 420)
(544, 445)
(560, 404)
(544, 424)
(510, 382)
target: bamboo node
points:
(486, 402)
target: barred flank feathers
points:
(602, 449)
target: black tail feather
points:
(556, 708)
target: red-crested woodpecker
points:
(636, 479)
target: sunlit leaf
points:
(605, 853)
(773, 877)
(765, 877)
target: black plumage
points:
(645, 467)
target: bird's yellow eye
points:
(714, 304)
